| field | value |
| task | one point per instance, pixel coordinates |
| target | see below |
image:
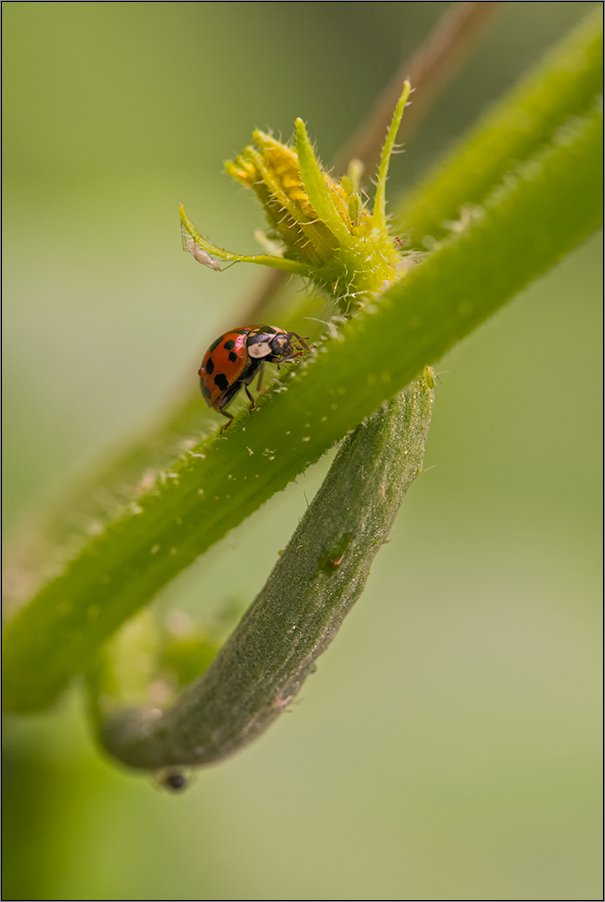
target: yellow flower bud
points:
(326, 231)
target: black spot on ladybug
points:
(215, 344)
(229, 344)
(206, 392)
(221, 381)
(210, 366)
(232, 356)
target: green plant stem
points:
(316, 581)
(563, 84)
(542, 208)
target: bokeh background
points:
(448, 746)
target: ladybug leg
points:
(256, 367)
(225, 399)
(252, 403)
(229, 416)
(260, 377)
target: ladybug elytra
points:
(233, 360)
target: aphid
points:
(199, 253)
(234, 359)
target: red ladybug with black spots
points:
(234, 359)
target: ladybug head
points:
(273, 345)
(267, 343)
(281, 346)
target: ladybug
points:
(234, 359)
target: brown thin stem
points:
(430, 68)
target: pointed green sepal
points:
(379, 219)
(316, 186)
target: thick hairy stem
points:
(315, 583)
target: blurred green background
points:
(448, 746)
